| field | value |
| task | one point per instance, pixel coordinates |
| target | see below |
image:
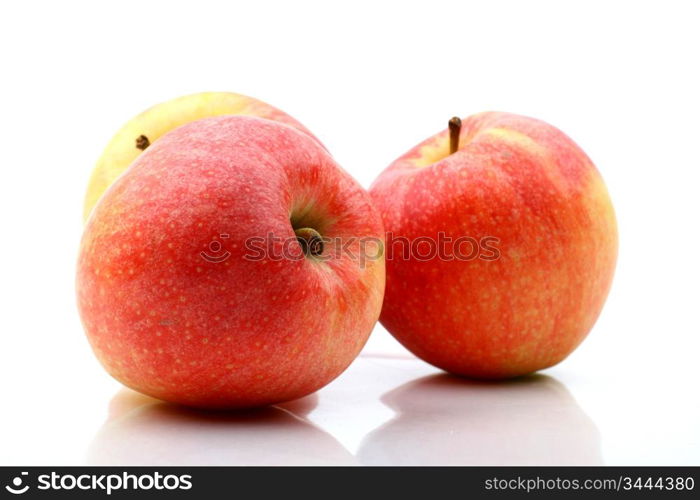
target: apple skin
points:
(240, 332)
(122, 149)
(526, 183)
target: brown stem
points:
(310, 240)
(142, 142)
(455, 126)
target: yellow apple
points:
(145, 128)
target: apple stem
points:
(310, 240)
(455, 126)
(142, 142)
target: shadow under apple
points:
(144, 431)
(446, 420)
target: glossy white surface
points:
(382, 411)
(370, 80)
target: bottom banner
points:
(312, 482)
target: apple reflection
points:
(144, 431)
(446, 420)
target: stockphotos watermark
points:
(103, 483)
(362, 250)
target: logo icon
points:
(215, 247)
(16, 488)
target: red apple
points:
(529, 276)
(181, 299)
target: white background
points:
(370, 79)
